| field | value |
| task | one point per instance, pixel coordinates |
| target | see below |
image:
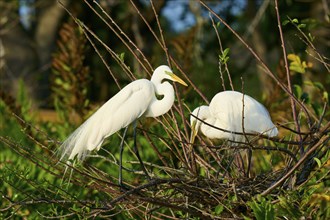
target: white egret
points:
(135, 100)
(225, 112)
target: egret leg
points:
(249, 154)
(120, 178)
(137, 152)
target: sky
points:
(180, 17)
(177, 12)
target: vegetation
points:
(288, 69)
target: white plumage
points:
(225, 112)
(135, 100)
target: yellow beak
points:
(175, 78)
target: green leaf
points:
(262, 209)
(224, 56)
(58, 81)
(285, 22)
(319, 85)
(218, 209)
(225, 52)
(297, 90)
(122, 57)
(311, 37)
(297, 65)
(295, 20)
(318, 161)
(301, 25)
(325, 96)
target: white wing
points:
(121, 110)
(227, 108)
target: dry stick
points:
(129, 40)
(322, 115)
(183, 160)
(37, 161)
(248, 134)
(221, 50)
(280, 140)
(289, 173)
(309, 43)
(163, 45)
(160, 156)
(213, 154)
(257, 18)
(189, 147)
(103, 60)
(112, 53)
(293, 104)
(259, 147)
(189, 81)
(267, 70)
(27, 154)
(152, 183)
(161, 33)
(190, 154)
(171, 58)
(294, 131)
(245, 136)
(116, 32)
(21, 121)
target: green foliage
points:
(34, 185)
(70, 78)
(297, 65)
(262, 208)
(224, 57)
(218, 210)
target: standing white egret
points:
(225, 112)
(135, 100)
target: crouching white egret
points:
(225, 112)
(135, 100)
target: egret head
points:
(197, 116)
(164, 72)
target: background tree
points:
(91, 49)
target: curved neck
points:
(159, 107)
(202, 113)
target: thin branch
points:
(286, 65)
(267, 70)
(323, 140)
(220, 64)
(161, 33)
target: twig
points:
(161, 33)
(258, 147)
(221, 51)
(295, 167)
(286, 65)
(112, 53)
(171, 58)
(267, 70)
(117, 34)
(308, 42)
